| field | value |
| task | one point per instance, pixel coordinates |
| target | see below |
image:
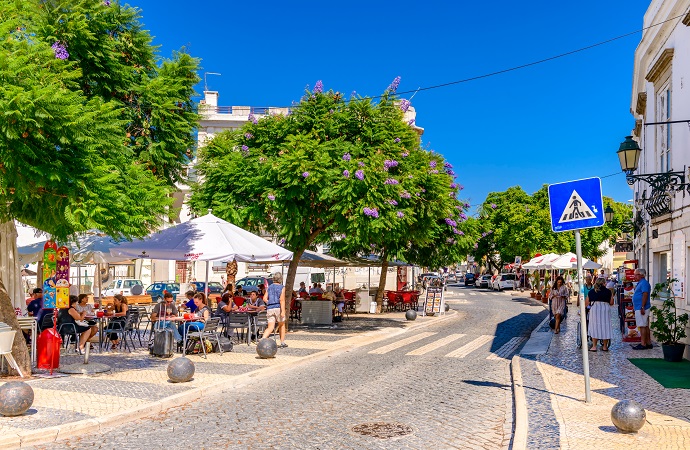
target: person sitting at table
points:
(83, 305)
(239, 292)
(339, 300)
(190, 304)
(314, 290)
(74, 317)
(117, 319)
(35, 305)
(302, 288)
(203, 313)
(260, 290)
(161, 315)
(329, 295)
(225, 306)
(256, 303)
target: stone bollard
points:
(411, 314)
(628, 416)
(267, 348)
(16, 397)
(180, 370)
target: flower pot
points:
(537, 296)
(532, 294)
(673, 352)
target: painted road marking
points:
(507, 349)
(401, 343)
(436, 344)
(470, 347)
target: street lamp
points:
(608, 213)
(629, 157)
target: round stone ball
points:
(16, 397)
(180, 370)
(447, 307)
(628, 416)
(411, 314)
(267, 348)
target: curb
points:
(520, 402)
(73, 429)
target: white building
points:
(661, 107)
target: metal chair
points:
(210, 332)
(67, 335)
(120, 328)
(239, 321)
(132, 326)
(260, 323)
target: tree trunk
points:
(19, 348)
(290, 281)
(382, 283)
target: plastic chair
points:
(295, 309)
(6, 340)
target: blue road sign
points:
(576, 205)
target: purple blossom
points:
(461, 187)
(400, 214)
(453, 185)
(60, 50)
(245, 149)
(456, 231)
(405, 154)
(463, 216)
(396, 140)
(387, 164)
(450, 172)
(346, 173)
(253, 119)
(392, 202)
(433, 171)
(418, 194)
(451, 222)
(359, 174)
(410, 177)
(282, 241)
(405, 194)
(432, 164)
(410, 122)
(394, 85)
(483, 234)
(476, 246)
(494, 206)
(106, 2)
(248, 136)
(391, 181)
(450, 241)
(467, 205)
(331, 111)
(271, 197)
(318, 87)
(371, 212)
(423, 190)
(447, 165)
(404, 105)
(347, 157)
(353, 94)
(305, 174)
(360, 164)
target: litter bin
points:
(48, 349)
(372, 308)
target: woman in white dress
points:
(558, 297)
(600, 301)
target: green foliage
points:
(514, 223)
(95, 140)
(667, 327)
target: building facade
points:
(661, 107)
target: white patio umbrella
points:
(206, 238)
(569, 261)
(85, 249)
(540, 262)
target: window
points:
(664, 134)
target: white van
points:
(126, 287)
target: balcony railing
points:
(243, 110)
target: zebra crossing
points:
(449, 345)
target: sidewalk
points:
(558, 417)
(138, 384)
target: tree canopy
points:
(513, 223)
(349, 172)
(94, 130)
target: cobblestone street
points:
(448, 382)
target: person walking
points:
(558, 297)
(641, 304)
(275, 308)
(600, 301)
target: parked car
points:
(214, 287)
(484, 281)
(470, 279)
(433, 281)
(126, 287)
(251, 284)
(156, 290)
(504, 281)
(420, 278)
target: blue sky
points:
(557, 121)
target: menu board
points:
(433, 301)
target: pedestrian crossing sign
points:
(576, 205)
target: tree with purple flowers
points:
(95, 127)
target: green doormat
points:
(668, 374)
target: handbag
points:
(82, 323)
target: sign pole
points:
(583, 320)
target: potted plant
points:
(668, 327)
(535, 284)
(545, 294)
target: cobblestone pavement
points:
(559, 417)
(448, 382)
